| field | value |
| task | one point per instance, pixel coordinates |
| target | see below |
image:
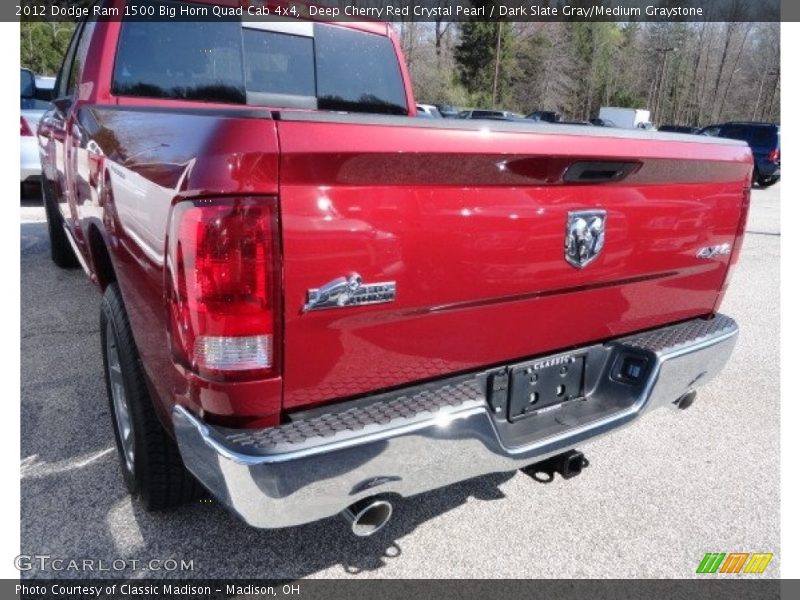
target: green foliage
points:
(684, 73)
(475, 57)
(477, 62)
(625, 99)
(43, 45)
(443, 90)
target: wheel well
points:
(101, 260)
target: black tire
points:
(755, 178)
(28, 190)
(60, 249)
(157, 474)
(765, 182)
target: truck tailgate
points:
(469, 221)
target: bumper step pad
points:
(406, 407)
(670, 339)
(359, 420)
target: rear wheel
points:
(28, 189)
(754, 180)
(150, 461)
(767, 181)
(60, 249)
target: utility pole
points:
(497, 64)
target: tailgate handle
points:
(599, 171)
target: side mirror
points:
(27, 86)
(63, 104)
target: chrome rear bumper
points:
(437, 434)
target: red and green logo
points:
(735, 562)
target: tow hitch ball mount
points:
(567, 464)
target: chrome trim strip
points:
(280, 25)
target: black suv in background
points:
(764, 140)
(547, 116)
(679, 129)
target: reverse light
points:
(233, 353)
(223, 286)
(24, 128)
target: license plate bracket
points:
(543, 385)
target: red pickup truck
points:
(314, 302)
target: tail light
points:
(774, 156)
(222, 280)
(24, 128)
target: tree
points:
(484, 59)
(44, 44)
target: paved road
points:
(657, 496)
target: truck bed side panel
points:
(152, 158)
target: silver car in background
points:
(35, 93)
(428, 111)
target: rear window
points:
(357, 71)
(298, 64)
(279, 63)
(181, 60)
(736, 132)
(482, 114)
(755, 135)
(764, 136)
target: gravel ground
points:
(657, 496)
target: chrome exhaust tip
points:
(368, 516)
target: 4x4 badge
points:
(349, 291)
(586, 234)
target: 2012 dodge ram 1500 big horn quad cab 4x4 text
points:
(313, 301)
